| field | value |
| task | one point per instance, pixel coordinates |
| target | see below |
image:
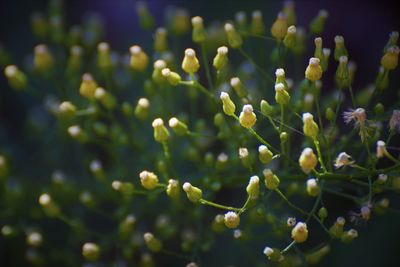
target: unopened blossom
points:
(343, 159)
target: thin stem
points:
(264, 74)
(207, 68)
(219, 206)
(290, 203)
(320, 159)
(243, 209)
(353, 101)
(292, 244)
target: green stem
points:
(219, 206)
(320, 159)
(290, 203)
(264, 74)
(207, 68)
(353, 101)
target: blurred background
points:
(365, 26)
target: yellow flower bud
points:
(264, 154)
(160, 40)
(310, 127)
(67, 108)
(340, 49)
(300, 232)
(190, 63)
(342, 73)
(227, 104)
(221, 59)
(76, 132)
(193, 193)
(139, 59)
(90, 251)
(257, 24)
(49, 207)
(42, 58)
(273, 254)
(231, 219)
(234, 38)
(253, 188)
(318, 48)
(179, 127)
(308, 160)
(173, 189)
(104, 57)
(318, 23)
(313, 188)
(271, 180)
(199, 34)
(247, 117)
(105, 98)
(148, 180)
(390, 59)
(88, 86)
(281, 95)
(279, 28)
(16, 78)
(161, 133)
(152, 243)
(142, 108)
(290, 38)
(172, 77)
(314, 70)
(266, 108)
(336, 229)
(288, 10)
(158, 66)
(238, 87)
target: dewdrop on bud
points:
(238, 87)
(282, 96)
(173, 188)
(348, 236)
(253, 188)
(227, 104)
(172, 77)
(88, 86)
(157, 75)
(310, 127)
(279, 27)
(257, 24)
(161, 133)
(178, 126)
(221, 59)
(231, 219)
(199, 34)
(313, 188)
(90, 251)
(139, 60)
(264, 154)
(336, 229)
(148, 180)
(271, 180)
(300, 232)
(390, 59)
(313, 71)
(342, 73)
(193, 193)
(381, 149)
(104, 56)
(290, 38)
(67, 108)
(34, 239)
(152, 243)
(273, 254)
(308, 160)
(190, 63)
(318, 23)
(142, 108)
(42, 58)
(234, 38)
(247, 117)
(340, 49)
(160, 40)
(16, 78)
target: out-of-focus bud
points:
(271, 180)
(289, 11)
(257, 24)
(342, 73)
(180, 21)
(393, 38)
(326, 52)
(340, 48)
(88, 86)
(161, 133)
(160, 40)
(221, 59)
(199, 34)
(317, 25)
(104, 56)
(390, 59)
(42, 58)
(16, 78)
(90, 251)
(105, 98)
(75, 131)
(146, 20)
(39, 25)
(336, 229)
(238, 87)
(279, 27)
(313, 188)
(142, 108)
(49, 207)
(139, 59)
(266, 108)
(152, 243)
(234, 38)
(290, 38)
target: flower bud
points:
(313, 188)
(340, 49)
(318, 48)
(42, 58)
(199, 34)
(88, 86)
(126, 226)
(336, 229)
(342, 73)
(379, 109)
(161, 133)
(273, 254)
(139, 60)
(241, 21)
(234, 38)
(330, 114)
(393, 38)
(146, 20)
(282, 96)
(125, 188)
(160, 40)
(172, 77)
(300, 46)
(148, 180)
(314, 70)
(218, 224)
(90, 251)
(238, 87)
(75, 60)
(310, 127)
(50, 208)
(221, 59)
(279, 27)
(231, 219)
(318, 23)
(142, 108)
(394, 123)
(173, 189)
(390, 59)
(290, 38)
(179, 127)
(105, 98)
(190, 63)
(253, 188)
(158, 66)
(34, 239)
(257, 24)
(322, 213)
(180, 21)
(245, 157)
(300, 232)
(271, 180)
(326, 52)
(152, 243)
(193, 193)
(222, 161)
(76, 132)
(39, 25)
(96, 169)
(67, 108)
(308, 160)
(16, 78)
(266, 108)
(381, 149)
(280, 78)
(247, 117)
(348, 236)
(264, 154)
(227, 104)
(343, 159)
(382, 80)
(104, 56)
